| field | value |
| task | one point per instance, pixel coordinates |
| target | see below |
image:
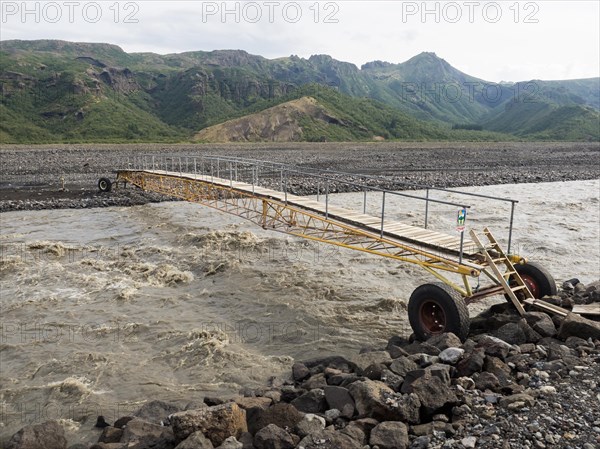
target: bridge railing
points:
(297, 180)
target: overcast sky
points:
(495, 41)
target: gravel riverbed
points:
(66, 176)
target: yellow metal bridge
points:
(262, 193)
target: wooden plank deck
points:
(420, 238)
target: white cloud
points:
(496, 44)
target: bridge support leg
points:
(265, 210)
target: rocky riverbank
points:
(516, 382)
(65, 176)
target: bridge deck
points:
(419, 237)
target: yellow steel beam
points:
(278, 215)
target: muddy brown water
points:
(104, 309)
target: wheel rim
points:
(103, 185)
(533, 286)
(432, 317)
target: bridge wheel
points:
(436, 308)
(538, 280)
(104, 185)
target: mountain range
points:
(57, 91)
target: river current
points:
(105, 309)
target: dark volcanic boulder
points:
(433, 393)
(329, 439)
(576, 326)
(390, 435)
(217, 423)
(156, 411)
(283, 415)
(47, 435)
(273, 437)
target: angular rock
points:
(558, 352)
(366, 425)
(499, 369)
(47, 435)
(196, 440)
(433, 393)
(431, 427)
(247, 440)
(101, 422)
(402, 366)
(122, 422)
(512, 333)
(410, 377)
(156, 412)
(494, 346)
(363, 361)
(316, 381)
(310, 424)
(424, 360)
(541, 323)
(217, 423)
(530, 334)
(451, 355)
(389, 435)
(329, 439)
(520, 397)
(487, 381)
(576, 343)
(300, 372)
(396, 351)
(397, 341)
(421, 348)
(577, 326)
(443, 372)
(110, 435)
(469, 442)
(335, 361)
(247, 403)
(312, 401)
(445, 341)
(471, 363)
(355, 433)
(140, 433)
(374, 399)
(392, 380)
(407, 408)
(273, 437)
(374, 371)
(289, 393)
(341, 379)
(370, 397)
(340, 398)
(283, 415)
(231, 443)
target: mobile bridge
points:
(266, 194)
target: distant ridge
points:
(55, 91)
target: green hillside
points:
(74, 92)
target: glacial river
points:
(104, 309)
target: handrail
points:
(175, 162)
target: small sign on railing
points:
(460, 220)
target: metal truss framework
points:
(280, 216)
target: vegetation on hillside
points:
(78, 92)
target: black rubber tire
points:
(104, 185)
(444, 300)
(545, 285)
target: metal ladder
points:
(508, 277)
